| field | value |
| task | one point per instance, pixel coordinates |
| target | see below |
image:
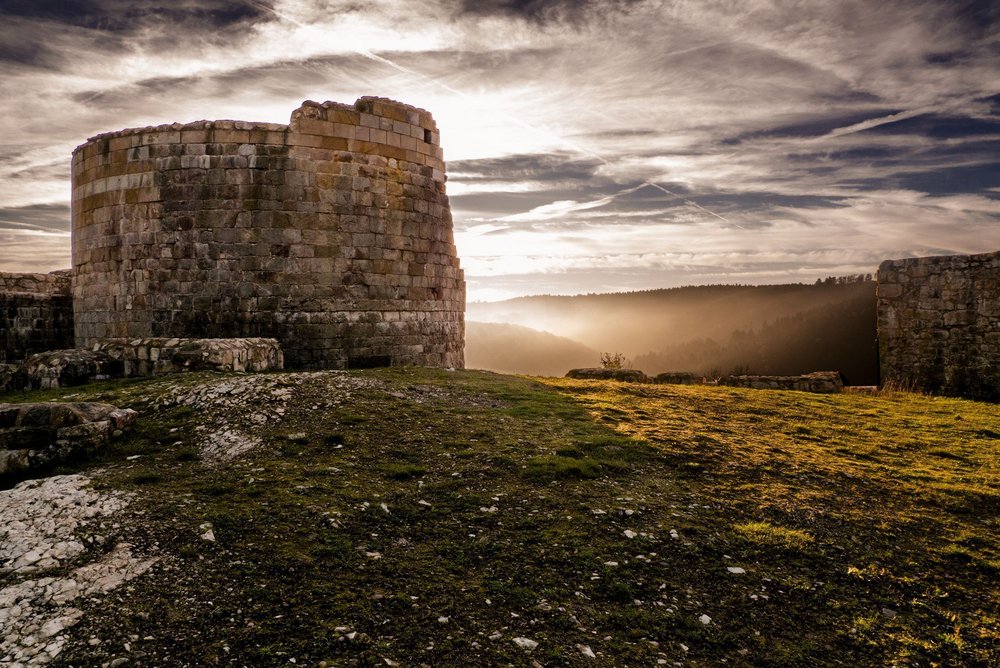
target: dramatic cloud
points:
(592, 145)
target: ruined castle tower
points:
(331, 234)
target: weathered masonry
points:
(332, 234)
(939, 324)
(36, 314)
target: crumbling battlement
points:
(55, 283)
(939, 324)
(332, 234)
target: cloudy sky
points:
(592, 146)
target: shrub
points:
(613, 361)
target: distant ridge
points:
(772, 329)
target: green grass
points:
(569, 512)
(767, 535)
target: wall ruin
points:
(939, 324)
(332, 234)
(36, 314)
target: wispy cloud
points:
(591, 145)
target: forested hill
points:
(783, 329)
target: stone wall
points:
(36, 314)
(821, 382)
(332, 234)
(678, 378)
(939, 324)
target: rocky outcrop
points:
(35, 436)
(57, 550)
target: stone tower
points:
(332, 234)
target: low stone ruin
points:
(819, 381)
(145, 357)
(36, 436)
(117, 358)
(66, 368)
(678, 378)
(597, 373)
(822, 382)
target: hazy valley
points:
(773, 329)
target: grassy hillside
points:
(421, 517)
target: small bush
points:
(613, 361)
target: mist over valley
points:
(713, 330)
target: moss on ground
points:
(435, 516)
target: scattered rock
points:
(207, 532)
(705, 619)
(236, 401)
(43, 521)
(525, 643)
(736, 570)
(586, 651)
